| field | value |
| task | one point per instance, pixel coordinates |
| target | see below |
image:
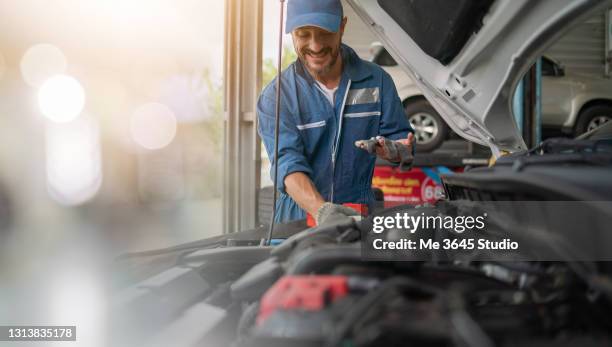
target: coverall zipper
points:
(337, 142)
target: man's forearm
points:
(300, 187)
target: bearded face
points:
(317, 49)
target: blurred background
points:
(111, 127)
(111, 121)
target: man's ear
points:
(343, 25)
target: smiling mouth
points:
(319, 55)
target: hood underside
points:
(468, 56)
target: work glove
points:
(329, 212)
(393, 151)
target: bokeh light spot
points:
(153, 126)
(74, 167)
(61, 98)
(40, 62)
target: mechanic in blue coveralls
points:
(330, 100)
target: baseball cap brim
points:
(324, 21)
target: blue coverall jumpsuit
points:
(318, 139)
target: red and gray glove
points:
(393, 151)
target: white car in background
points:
(430, 129)
(572, 103)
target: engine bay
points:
(316, 289)
(327, 285)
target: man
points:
(330, 99)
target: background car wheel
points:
(592, 118)
(430, 129)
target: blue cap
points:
(325, 14)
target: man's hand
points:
(409, 141)
(394, 151)
(300, 187)
(329, 212)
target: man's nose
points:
(315, 44)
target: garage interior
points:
(584, 50)
(135, 191)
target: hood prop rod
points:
(277, 120)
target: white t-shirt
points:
(330, 94)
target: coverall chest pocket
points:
(314, 132)
(357, 126)
(361, 125)
(362, 113)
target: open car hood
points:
(468, 56)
